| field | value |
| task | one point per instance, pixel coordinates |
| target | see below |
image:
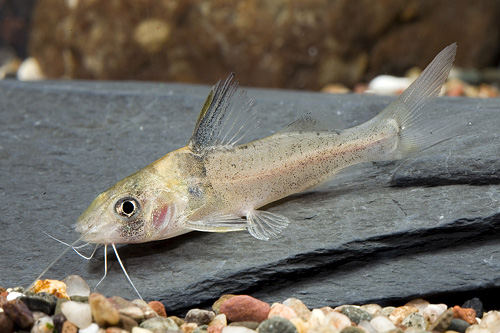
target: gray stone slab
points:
(387, 231)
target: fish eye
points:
(127, 207)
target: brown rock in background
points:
(279, 43)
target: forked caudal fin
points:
(418, 131)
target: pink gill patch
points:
(161, 216)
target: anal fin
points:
(265, 225)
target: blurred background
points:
(321, 45)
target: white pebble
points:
(77, 313)
(388, 85)
(433, 311)
(30, 70)
(491, 321)
(365, 324)
(382, 324)
(13, 295)
(76, 286)
(92, 328)
(237, 329)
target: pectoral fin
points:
(260, 224)
(265, 225)
(218, 223)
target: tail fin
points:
(417, 130)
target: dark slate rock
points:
(383, 232)
(43, 302)
(476, 304)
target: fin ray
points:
(218, 223)
(265, 225)
(225, 119)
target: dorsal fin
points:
(224, 119)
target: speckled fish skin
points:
(213, 184)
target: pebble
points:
(300, 324)
(415, 319)
(245, 308)
(433, 311)
(127, 308)
(159, 324)
(58, 321)
(200, 317)
(373, 309)
(352, 329)
(218, 303)
(92, 328)
(281, 310)
(219, 320)
(443, 321)
(69, 327)
(248, 324)
(418, 303)
(400, 313)
(127, 323)
(491, 321)
(103, 311)
(188, 327)
(76, 286)
(337, 320)
(140, 330)
(387, 311)
(146, 309)
(18, 312)
(43, 302)
(458, 325)
(158, 307)
(43, 324)
(77, 313)
(355, 313)
(6, 324)
(382, 324)
(298, 307)
(276, 325)
(475, 304)
(54, 287)
(469, 315)
(237, 329)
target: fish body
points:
(215, 184)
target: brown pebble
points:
(467, 314)
(18, 312)
(248, 324)
(69, 327)
(103, 311)
(159, 308)
(6, 324)
(245, 308)
(127, 323)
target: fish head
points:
(134, 210)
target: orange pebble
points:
(469, 315)
(54, 287)
(158, 307)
